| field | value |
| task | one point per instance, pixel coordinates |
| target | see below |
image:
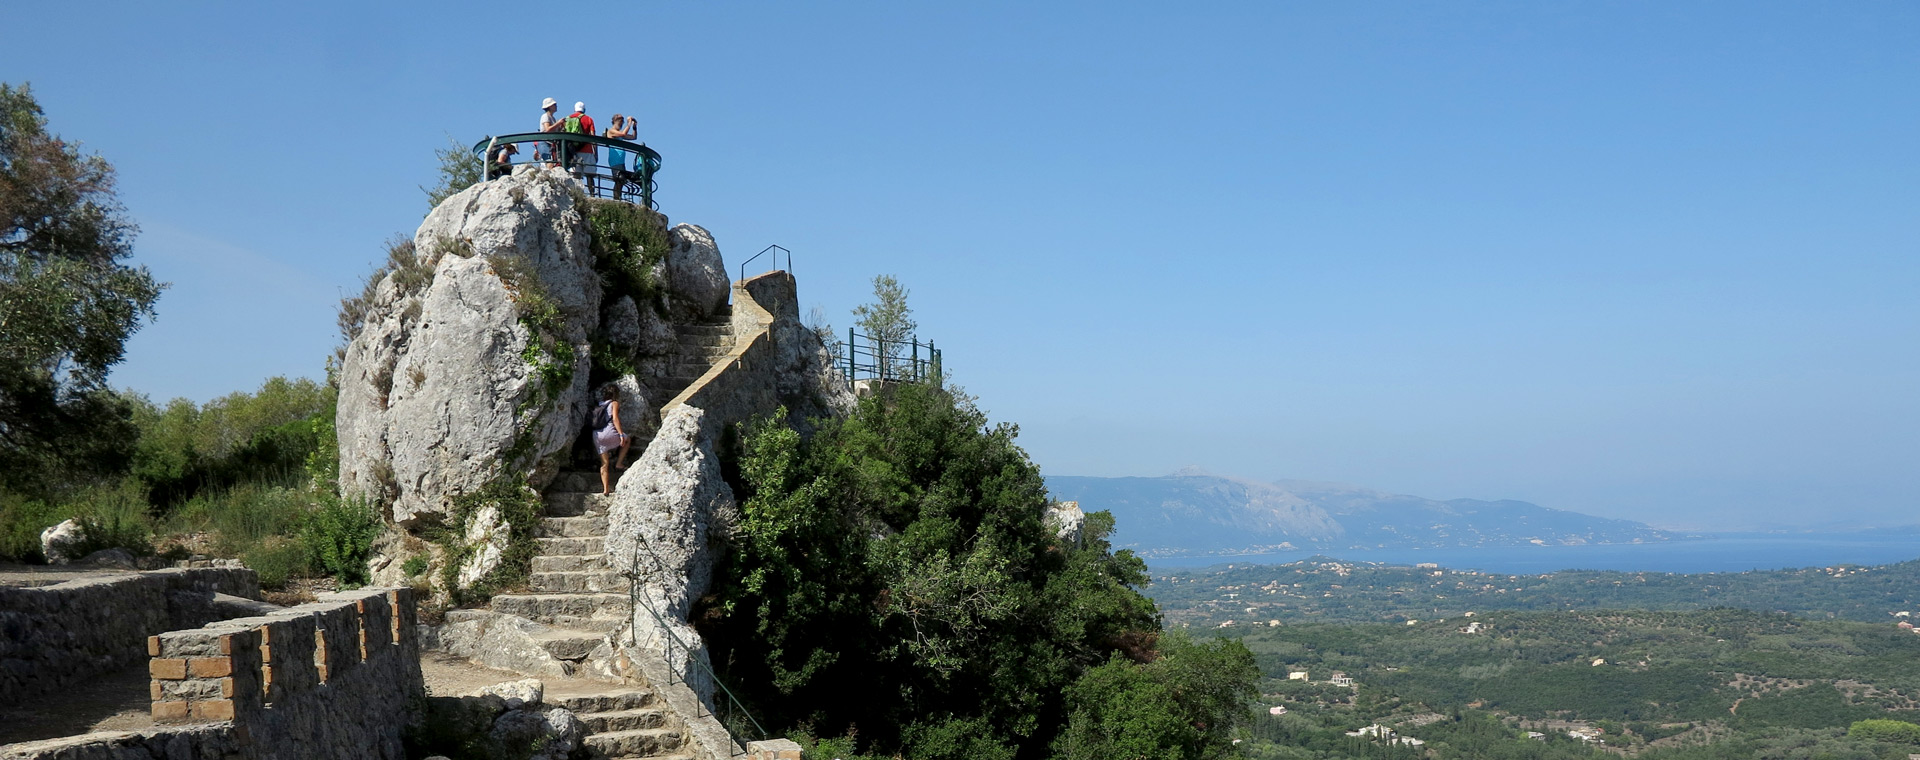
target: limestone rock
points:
(58, 541)
(550, 735)
(115, 558)
(1067, 521)
(487, 531)
(696, 277)
(517, 694)
(620, 323)
(434, 387)
(671, 507)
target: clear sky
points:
(1637, 259)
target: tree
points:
(67, 303)
(893, 574)
(458, 171)
(888, 322)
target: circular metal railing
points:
(630, 181)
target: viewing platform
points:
(630, 181)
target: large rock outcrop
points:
(472, 363)
(696, 278)
(671, 509)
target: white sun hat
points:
(580, 105)
(548, 103)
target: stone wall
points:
(52, 636)
(337, 679)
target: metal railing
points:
(631, 182)
(637, 601)
(897, 360)
(776, 250)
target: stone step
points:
(575, 481)
(562, 609)
(705, 328)
(615, 701)
(590, 526)
(577, 503)
(623, 720)
(569, 563)
(642, 742)
(601, 581)
(569, 644)
(576, 547)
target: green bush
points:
(339, 535)
(520, 508)
(111, 516)
(901, 552)
(279, 559)
(1879, 730)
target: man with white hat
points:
(544, 151)
(584, 156)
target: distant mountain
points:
(1194, 514)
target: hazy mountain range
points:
(1192, 513)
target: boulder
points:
(552, 734)
(1067, 521)
(115, 558)
(517, 694)
(696, 277)
(57, 542)
(672, 506)
(435, 387)
(488, 533)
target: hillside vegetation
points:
(1667, 685)
(892, 583)
(1327, 589)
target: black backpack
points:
(602, 416)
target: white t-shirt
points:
(547, 120)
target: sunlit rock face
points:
(472, 362)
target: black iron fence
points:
(608, 167)
(903, 360)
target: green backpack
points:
(572, 124)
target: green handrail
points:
(647, 164)
(638, 601)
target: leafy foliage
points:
(341, 534)
(1883, 730)
(459, 169)
(893, 573)
(266, 436)
(1169, 708)
(519, 507)
(888, 321)
(67, 304)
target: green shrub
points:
(1879, 730)
(111, 516)
(267, 436)
(339, 535)
(415, 566)
(520, 508)
(627, 241)
(277, 560)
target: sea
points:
(1711, 553)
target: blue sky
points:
(1646, 260)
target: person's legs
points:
(606, 481)
(626, 442)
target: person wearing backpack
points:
(608, 435)
(580, 156)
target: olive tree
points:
(67, 301)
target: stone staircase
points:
(579, 598)
(627, 724)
